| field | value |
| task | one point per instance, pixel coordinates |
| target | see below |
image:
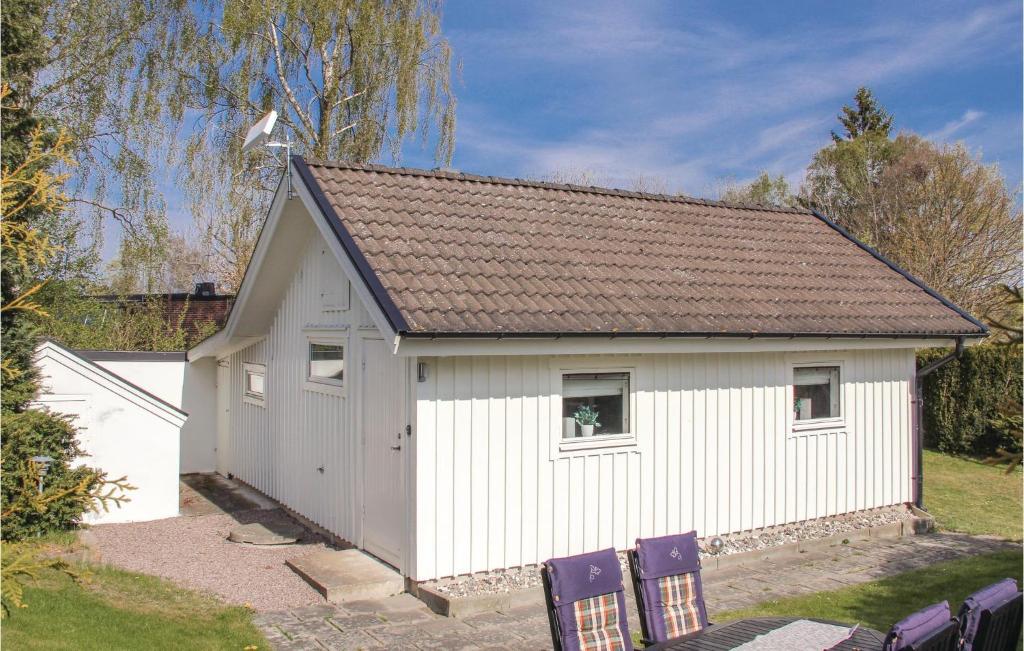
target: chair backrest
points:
(991, 617)
(929, 629)
(586, 602)
(666, 579)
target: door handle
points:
(396, 447)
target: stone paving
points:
(403, 622)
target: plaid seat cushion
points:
(597, 623)
(679, 604)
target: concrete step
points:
(347, 575)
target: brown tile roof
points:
(454, 254)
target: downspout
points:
(925, 370)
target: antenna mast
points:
(287, 145)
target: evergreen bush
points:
(25, 435)
(964, 400)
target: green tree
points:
(936, 210)
(765, 190)
(28, 189)
(951, 221)
(866, 117)
(152, 87)
(88, 322)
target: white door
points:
(385, 446)
(223, 415)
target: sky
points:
(697, 94)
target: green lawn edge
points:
(879, 604)
(114, 609)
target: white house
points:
(409, 348)
(123, 429)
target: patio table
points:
(721, 637)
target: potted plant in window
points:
(586, 416)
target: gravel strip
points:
(194, 552)
(522, 578)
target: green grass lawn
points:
(971, 497)
(879, 604)
(112, 609)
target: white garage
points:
(124, 430)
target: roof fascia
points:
(131, 355)
(112, 381)
(455, 347)
(371, 292)
(901, 271)
(219, 346)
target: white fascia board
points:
(107, 379)
(209, 347)
(220, 346)
(446, 347)
(365, 296)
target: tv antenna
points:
(259, 134)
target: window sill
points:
(256, 402)
(325, 388)
(818, 425)
(597, 442)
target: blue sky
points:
(694, 93)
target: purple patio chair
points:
(990, 619)
(586, 602)
(666, 580)
(930, 629)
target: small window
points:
(595, 404)
(254, 381)
(326, 363)
(815, 393)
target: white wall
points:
(120, 433)
(279, 447)
(715, 452)
(189, 386)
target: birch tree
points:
(158, 93)
(350, 80)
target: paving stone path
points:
(403, 622)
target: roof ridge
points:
(547, 185)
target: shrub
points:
(964, 401)
(27, 434)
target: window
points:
(815, 393)
(595, 404)
(254, 380)
(326, 363)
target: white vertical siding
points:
(280, 447)
(714, 453)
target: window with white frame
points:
(595, 404)
(816, 393)
(326, 362)
(254, 383)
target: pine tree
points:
(867, 117)
(23, 57)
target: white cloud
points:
(953, 126)
(693, 98)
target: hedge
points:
(963, 400)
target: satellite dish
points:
(259, 132)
